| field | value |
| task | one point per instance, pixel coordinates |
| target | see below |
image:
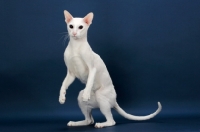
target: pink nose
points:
(74, 33)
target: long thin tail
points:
(139, 118)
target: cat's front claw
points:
(86, 95)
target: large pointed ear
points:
(68, 16)
(88, 18)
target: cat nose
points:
(74, 33)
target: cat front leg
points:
(67, 81)
(89, 85)
(86, 95)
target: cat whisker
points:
(64, 33)
(65, 38)
(61, 37)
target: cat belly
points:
(78, 67)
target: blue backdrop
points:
(150, 47)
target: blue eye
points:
(80, 27)
(71, 26)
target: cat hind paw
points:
(105, 124)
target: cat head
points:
(77, 27)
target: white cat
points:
(89, 68)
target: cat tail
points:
(138, 118)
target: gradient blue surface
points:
(151, 49)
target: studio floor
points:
(122, 125)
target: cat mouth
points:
(75, 37)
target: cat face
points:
(77, 27)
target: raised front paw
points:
(62, 98)
(86, 95)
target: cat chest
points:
(78, 67)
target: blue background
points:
(150, 47)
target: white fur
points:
(89, 68)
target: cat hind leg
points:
(105, 108)
(86, 110)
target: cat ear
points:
(88, 18)
(68, 16)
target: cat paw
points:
(86, 95)
(80, 123)
(105, 124)
(62, 98)
(71, 123)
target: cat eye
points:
(80, 27)
(71, 26)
